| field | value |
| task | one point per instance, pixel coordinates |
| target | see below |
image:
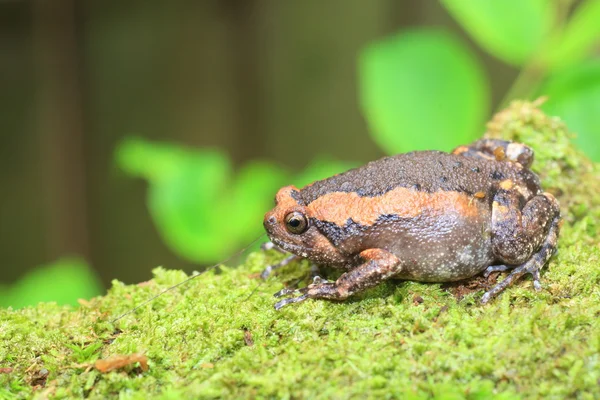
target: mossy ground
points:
(207, 339)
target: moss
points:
(207, 339)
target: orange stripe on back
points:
(338, 207)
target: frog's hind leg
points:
(495, 149)
(524, 239)
(532, 266)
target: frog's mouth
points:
(291, 248)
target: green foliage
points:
(419, 86)
(425, 89)
(63, 281)
(419, 89)
(203, 209)
(577, 40)
(512, 30)
(575, 96)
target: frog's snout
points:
(269, 222)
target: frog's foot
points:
(289, 292)
(532, 266)
(516, 273)
(496, 268)
(317, 280)
(280, 304)
(267, 271)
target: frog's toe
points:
(280, 304)
(266, 272)
(537, 285)
(318, 280)
(495, 268)
(288, 291)
(285, 292)
(486, 297)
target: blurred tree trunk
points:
(60, 128)
(258, 78)
(310, 77)
(242, 19)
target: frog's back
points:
(430, 208)
(428, 171)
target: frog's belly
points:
(441, 249)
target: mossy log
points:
(208, 339)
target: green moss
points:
(207, 339)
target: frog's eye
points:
(296, 222)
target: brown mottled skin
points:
(426, 216)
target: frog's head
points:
(289, 226)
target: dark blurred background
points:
(264, 79)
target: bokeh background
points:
(146, 133)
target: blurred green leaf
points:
(161, 162)
(579, 38)
(192, 194)
(574, 95)
(185, 205)
(511, 30)
(63, 282)
(422, 89)
(203, 211)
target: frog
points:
(426, 216)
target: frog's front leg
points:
(378, 266)
(522, 238)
